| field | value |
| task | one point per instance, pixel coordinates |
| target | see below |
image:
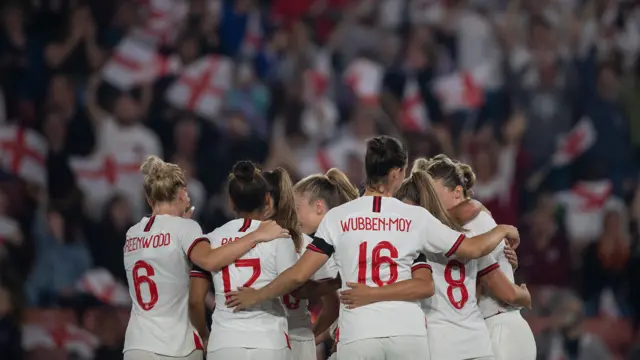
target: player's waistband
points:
(501, 317)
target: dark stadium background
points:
(88, 88)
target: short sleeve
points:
(487, 264)
(191, 235)
(199, 272)
(420, 263)
(286, 255)
(323, 240)
(438, 237)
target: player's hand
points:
(358, 295)
(512, 235)
(188, 212)
(270, 230)
(242, 299)
(527, 297)
(511, 256)
(466, 211)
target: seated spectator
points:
(61, 260)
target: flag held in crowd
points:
(24, 153)
(60, 336)
(202, 85)
(318, 78)
(462, 90)
(161, 19)
(413, 115)
(364, 78)
(104, 287)
(573, 144)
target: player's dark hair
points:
(333, 187)
(420, 190)
(384, 153)
(281, 190)
(452, 172)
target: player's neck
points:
(373, 192)
(251, 215)
(166, 209)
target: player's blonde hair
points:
(162, 180)
(452, 172)
(420, 190)
(333, 187)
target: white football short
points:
(388, 348)
(303, 349)
(511, 337)
(249, 354)
(147, 355)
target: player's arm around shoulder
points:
(419, 287)
(492, 278)
(214, 259)
(199, 285)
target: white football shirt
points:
(265, 325)
(298, 316)
(375, 241)
(156, 260)
(489, 306)
(456, 327)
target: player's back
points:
(157, 267)
(487, 304)
(455, 325)
(376, 240)
(263, 326)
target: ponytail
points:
(334, 188)
(283, 203)
(420, 190)
(346, 190)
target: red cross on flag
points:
(59, 336)
(161, 19)
(103, 286)
(318, 77)
(253, 35)
(413, 115)
(573, 144)
(364, 78)
(24, 153)
(103, 175)
(134, 63)
(462, 90)
(201, 86)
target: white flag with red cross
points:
(413, 115)
(462, 90)
(59, 336)
(252, 35)
(101, 176)
(573, 144)
(161, 19)
(202, 85)
(318, 78)
(24, 154)
(103, 286)
(134, 63)
(364, 78)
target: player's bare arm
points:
(329, 314)
(481, 245)
(511, 256)
(198, 288)
(506, 291)
(420, 286)
(310, 262)
(315, 289)
(466, 211)
(215, 259)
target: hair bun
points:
(244, 171)
(153, 167)
(377, 146)
(468, 176)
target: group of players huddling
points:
(396, 269)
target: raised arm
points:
(201, 253)
(483, 244)
(420, 286)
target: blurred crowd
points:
(541, 97)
